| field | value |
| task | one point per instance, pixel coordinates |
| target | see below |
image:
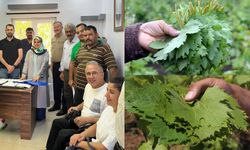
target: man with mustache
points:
(92, 49)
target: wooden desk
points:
(18, 104)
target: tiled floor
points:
(10, 137)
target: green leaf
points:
(149, 144)
(162, 105)
(191, 27)
(159, 44)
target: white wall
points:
(115, 39)
(3, 18)
(70, 11)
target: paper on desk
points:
(10, 83)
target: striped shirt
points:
(100, 53)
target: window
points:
(43, 27)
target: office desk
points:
(18, 104)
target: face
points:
(94, 75)
(57, 28)
(36, 43)
(69, 33)
(79, 33)
(91, 38)
(9, 31)
(112, 95)
(29, 34)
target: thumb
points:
(191, 95)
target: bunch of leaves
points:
(173, 121)
(202, 45)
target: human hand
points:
(36, 78)
(72, 108)
(73, 139)
(76, 138)
(10, 68)
(82, 144)
(197, 88)
(23, 77)
(62, 76)
(71, 83)
(155, 30)
(80, 121)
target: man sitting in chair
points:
(94, 102)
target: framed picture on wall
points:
(118, 15)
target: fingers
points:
(192, 94)
(168, 29)
(158, 28)
(196, 89)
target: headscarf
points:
(40, 50)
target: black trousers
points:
(58, 87)
(78, 97)
(60, 133)
(68, 93)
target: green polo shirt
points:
(76, 48)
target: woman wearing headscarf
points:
(36, 69)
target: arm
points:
(242, 96)
(25, 66)
(107, 144)
(71, 73)
(61, 69)
(44, 66)
(78, 107)
(133, 50)
(3, 61)
(83, 120)
(84, 145)
(19, 58)
(90, 132)
(139, 36)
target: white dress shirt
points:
(67, 49)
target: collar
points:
(74, 40)
(10, 38)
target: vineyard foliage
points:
(159, 101)
(230, 46)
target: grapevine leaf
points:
(191, 27)
(159, 44)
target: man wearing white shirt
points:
(64, 66)
(92, 107)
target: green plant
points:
(202, 45)
(159, 101)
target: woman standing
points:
(36, 69)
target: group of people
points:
(82, 63)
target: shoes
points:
(61, 112)
(53, 108)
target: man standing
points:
(26, 44)
(64, 67)
(72, 67)
(11, 54)
(56, 55)
(93, 50)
